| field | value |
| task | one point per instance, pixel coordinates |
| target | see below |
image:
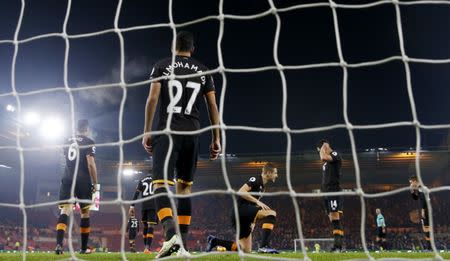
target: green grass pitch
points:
(314, 256)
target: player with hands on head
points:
(416, 191)
(331, 174)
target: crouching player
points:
(251, 209)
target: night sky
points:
(376, 94)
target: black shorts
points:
(149, 215)
(183, 159)
(333, 204)
(83, 190)
(132, 234)
(380, 232)
(247, 215)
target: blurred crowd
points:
(212, 215)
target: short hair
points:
(82, 125)
(185, 41)
(321, 142)
(413, 177)
(269, 167)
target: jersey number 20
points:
(179, 86)
(148, 190)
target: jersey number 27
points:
(175, 100)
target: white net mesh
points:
(222, 70)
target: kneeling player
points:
(148, 218)
(251, 209)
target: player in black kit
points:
(417, 194)
(145, 188)
(86, 184)
(250, 209)
(133, 229)
(331, 174)
(180, 98)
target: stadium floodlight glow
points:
(128, 172)
(32, 118)
(52, 128)
(10, 108)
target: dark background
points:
(376, 94)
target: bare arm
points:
(150, 106)
(325, 153)
(150, 109)
(135, 196)
(247, 196)
(92, 168)
(213, 112)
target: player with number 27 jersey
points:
(187, 92)
(179, 88)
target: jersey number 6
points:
(72, 152)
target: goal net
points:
(274, 10)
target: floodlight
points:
(10, 108)
(32, 118)
(128, 172)
(52, 128)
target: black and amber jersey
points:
(256, 184)
(417, 194)
(331, 173)
(145, 189)
(133, 225)
(78, 147)
(187, 92)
